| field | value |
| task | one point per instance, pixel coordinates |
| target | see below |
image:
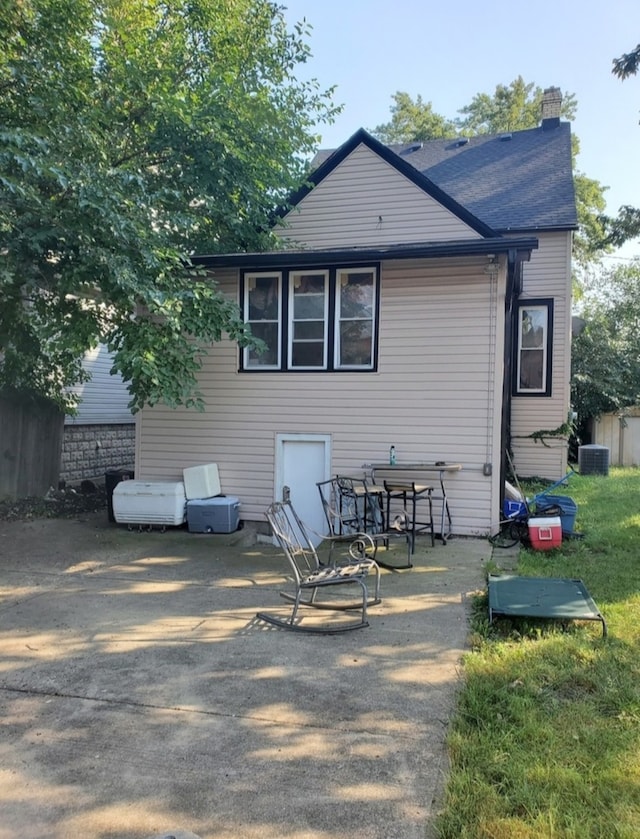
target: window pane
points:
(267, 332)
(355, 343)
(308, 311)
(263, 298)
(531, 370)
(356, 295)
(309, 283)
(306, 329)
(308, 306)
(533, 328)
(262, 313)
(307, 354)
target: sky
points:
(449, 50)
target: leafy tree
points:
(626, 225)
(621, 228)
(606, 354)
(512, 107)
(628, 64)
(132, 134)
(413, 121)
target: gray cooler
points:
(213, 515)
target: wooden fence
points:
(621, 434)
(31, 431)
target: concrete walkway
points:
(139, 695)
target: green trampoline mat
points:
(542, 597)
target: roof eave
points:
(346, 256)
(546, 228)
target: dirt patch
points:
(65, 503)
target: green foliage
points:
(413, 121)
(626, 225)
(513, 107)
(134, 133)
(622, 228)
(561, 432)
(590, 241)
(627, 65)
(606, 354)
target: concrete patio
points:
(140, 696)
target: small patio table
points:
(442, 468)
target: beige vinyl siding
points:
(548, 274)
(366, 201)
(430, 398)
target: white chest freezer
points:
(149, 502)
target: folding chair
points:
(311, 577)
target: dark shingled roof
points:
(512, 182)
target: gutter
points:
(521, 246)
(513, 291)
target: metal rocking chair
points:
(311, 576)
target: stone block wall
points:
(89, 450)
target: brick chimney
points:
(551, 104)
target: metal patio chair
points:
(409, 493)
(351, 506)
(310, 576)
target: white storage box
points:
(213, 515)
(149, 502)
(201, 481)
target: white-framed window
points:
(261, 306)
(312, 319)
(308, 321)
(355, 318)
(534, 328)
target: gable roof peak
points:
(408, 170)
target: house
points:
(421, 300)
(101, 435)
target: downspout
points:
(513, 291)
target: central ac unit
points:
(593, 460)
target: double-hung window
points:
(308, 316)
(355, 318)
(262, 302)
(534, 328)
(312, 319)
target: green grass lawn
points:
(546, 738)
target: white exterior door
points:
(302, 460)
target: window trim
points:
(546, 390)
(247, 278)
(291, 320)
(339, 320)
(285, 321)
